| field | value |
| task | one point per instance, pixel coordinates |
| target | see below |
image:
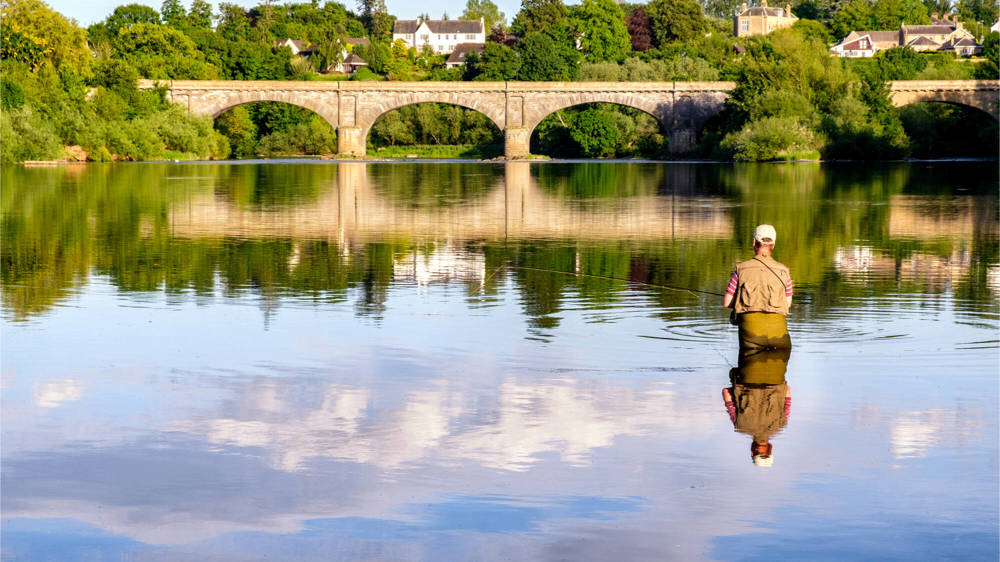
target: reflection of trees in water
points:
(430, 185)
(61, 225)
(270, 185)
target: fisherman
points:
(760, 294)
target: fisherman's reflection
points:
(759, 400)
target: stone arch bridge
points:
(681, 108)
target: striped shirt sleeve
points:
(733, 281)
(788, 287)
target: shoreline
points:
(535, 160)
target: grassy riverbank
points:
(457, 151)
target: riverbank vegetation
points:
(65, 86)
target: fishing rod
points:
(576, 274)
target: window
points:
(439, 36)
(744, 25)
(425, 38)
(470, 35)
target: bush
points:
(767, 139)
(11, 94)
(596, 133)
(27, 136)
(364, 73)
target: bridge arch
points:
(555, 134)
(456, 124)
(977, 94)
(370, 113)
(660, 110)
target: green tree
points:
(600, 26)
(487, 10)
(855, 15)
(497, 63)
(173, 13)
(16, 46)
(982, 11)
(546, 59)
(596, 133)
(200, 16)
(899, 63)
(539, 15)
(129, 15)
(676, 20)
(990, 69)
(376, 18)
(64, 42)
(889, 14)
(162, 52)
(234, 23)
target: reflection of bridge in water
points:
(514, 208)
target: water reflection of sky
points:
(440, 430)
(241, 424)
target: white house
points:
(442, 35)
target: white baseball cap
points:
(765, 232)
(763, 461)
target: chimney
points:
(743, 7)
(959, 25)
(934, 16)
(763, 3)
(788, 10)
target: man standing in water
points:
(760, 293)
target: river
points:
(473, 361)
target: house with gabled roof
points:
(865, 43)
(943, 36)
(761, 20)
(441, 35)
(350, 62)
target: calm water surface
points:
(319, 361)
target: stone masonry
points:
(681, 108)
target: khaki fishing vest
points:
(761, 289)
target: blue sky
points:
(91, 11)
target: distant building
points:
(442, 35)
(457, 57)
(297, 46)
(865, 43)
(943, 36)
(995, 27)
(761, 20)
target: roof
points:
(461, 50)
(927, 29)
(965, 42)
(354, 60)
(879, 39)
(922, 41)
(357, 41)
(439, 26)
(300, 46)
(765, 11)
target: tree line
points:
(63, 85)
